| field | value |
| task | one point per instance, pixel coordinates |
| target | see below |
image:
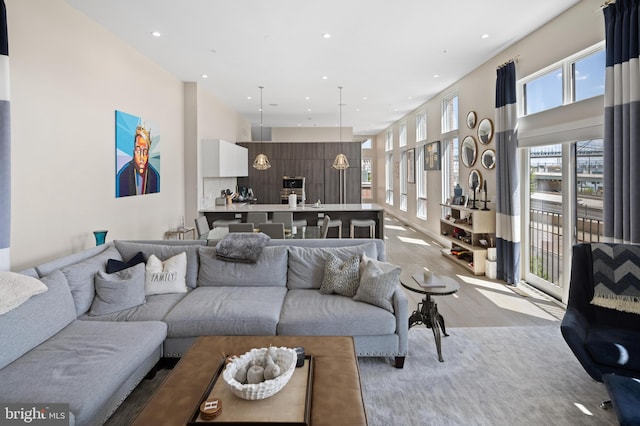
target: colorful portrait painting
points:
(137, 156)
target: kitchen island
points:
(309, 212)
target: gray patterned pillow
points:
(378, 282)
(341, 277)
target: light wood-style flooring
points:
(480, 302)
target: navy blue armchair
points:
(605, 341)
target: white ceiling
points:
(385, 54)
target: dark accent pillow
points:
(114, 265)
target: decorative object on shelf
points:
(100, 236)
(411, 165)
(475, 184)
(484, 188)
(432, 156)
(488, 159)
(485, 131)
(261, 162)
(341, 163)
(468, 151)
(471, 119)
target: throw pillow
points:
(15, 289)
(378, 282)
(115, 265)
(118, 291)
(341, 277)
(168, 276)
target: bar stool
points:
(363, 223)
(333, 223)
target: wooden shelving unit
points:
(465, 227)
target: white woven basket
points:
(286, 359)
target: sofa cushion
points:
(227, 311)
(269, 270)
(163, 252)
(84, 365)
(80, 277)
(155, 308)
(59, 263)
(167, 276)
(378, 282)
(118, 291)
(306, 264)
(37, 319)
(15, 289)
(307, 312)
(115, 265)
(619, 348)
(341, 277)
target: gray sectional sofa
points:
(55, 349)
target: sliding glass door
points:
(564, 206)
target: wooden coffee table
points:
(336, 396)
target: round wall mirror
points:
(488, 159)
(468, 151)
(475, 180)
(471, 119)
(485, 131)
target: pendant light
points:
(341, 162)
(261, 161)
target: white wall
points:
(578, 28)
(68, 76)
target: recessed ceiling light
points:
(364, 98)
(308, 109)
(249, 98)
(326, 35)
(324, 77)
(205, 76)
(156, 33)
(409, 97)
(484, 36)
(307, 98)
(436, 76)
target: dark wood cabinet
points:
(314, 161)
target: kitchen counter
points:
(310, 212)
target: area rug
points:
(490, 376)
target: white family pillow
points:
(166, 277)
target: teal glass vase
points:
(100, 237)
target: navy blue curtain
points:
(5, 143)
(622, 123)
(507, 176)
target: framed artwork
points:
(137, 156)
(411, 165)
(432, 156)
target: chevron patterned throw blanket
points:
(616, 276)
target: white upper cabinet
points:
(219, 158)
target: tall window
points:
(450, 113)
(421, 125)
(388, 166)
(365, 179)
(421, 184)
(562, 185)
(451, 167)
(402, 134)
(388, 170)
(403, 181)
(388, 142)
